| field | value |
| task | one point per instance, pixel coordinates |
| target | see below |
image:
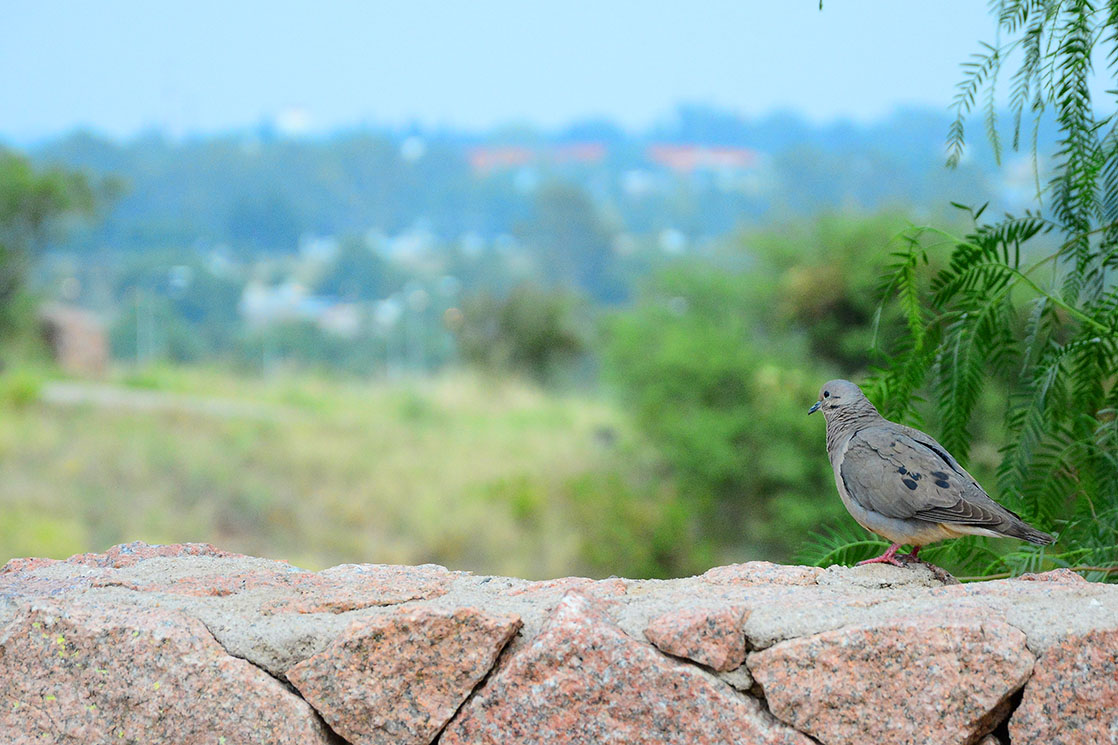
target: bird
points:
(902, 485)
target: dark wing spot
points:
(916, 476)
(942, 483)
(902, 470)
(909, 483)
(939, 475)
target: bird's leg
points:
(912, 554)
(889, 557)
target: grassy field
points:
(496, 477)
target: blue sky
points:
(124, 66)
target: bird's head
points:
(836, 395)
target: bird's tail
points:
(1024, 531)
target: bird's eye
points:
(826, 394)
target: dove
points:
(901, 484)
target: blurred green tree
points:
(357, 273)
(150, 329)
(186, 292)
(264, 223)
(723, 398)
(35, 205)
(572, 243)
(533, 330)
(823, 277)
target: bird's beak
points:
(815, 408)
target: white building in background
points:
(413, 245)
(262, 305)
(342, 319)
(322, 249)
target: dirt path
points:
(102, 395)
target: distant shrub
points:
(635, 532)
(532, 331)
(725, 404)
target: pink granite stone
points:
(1063, 576)
(398, 679)
(353, 586)
(933, 679)
(1072, 698)
(584, 680)
(203, 585)
(601, 588)
(25, 585)
(762, 573)
(336, 590)
(608, 589)
(26, 565)
(128, 554)
(117, 674)
(19, 577)
(549, 586)
(710, 636)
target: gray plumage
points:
(900, 483)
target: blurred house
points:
(689, 158)
(263, 305)
(487, 159)
(341, 319)
(579, 152)
(76, 339)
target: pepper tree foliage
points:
(1031, 300)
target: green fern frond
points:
(991, 117)
(845, 543)
(1038, 331)
(900, 279)
(976, 72)
(970, 555)
(1053, 346)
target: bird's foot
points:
(889, 557)
(911, 556)
(909, 559)
(882, 560)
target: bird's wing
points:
(890, 472)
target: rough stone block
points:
(398, 679)
(926, 680)
(584, 680)
(115, 674)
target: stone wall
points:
(190, 644)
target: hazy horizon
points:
(513, 128)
